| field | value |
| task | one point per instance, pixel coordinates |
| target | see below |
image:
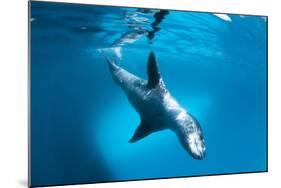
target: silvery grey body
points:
(158, 110)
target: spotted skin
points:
(158, 110)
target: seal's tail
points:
(112, 52)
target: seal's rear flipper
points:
(142, 131)
(111, 63)
(153, 73)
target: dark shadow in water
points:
(137, 28)
(63, 95)
(159, 16)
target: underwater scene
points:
(119, 94)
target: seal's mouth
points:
(196, 145)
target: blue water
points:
(81, 121)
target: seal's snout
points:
(196, 145)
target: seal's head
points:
(196, 144)
(190, 136)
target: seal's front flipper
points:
(142, 131)
(153, 72)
